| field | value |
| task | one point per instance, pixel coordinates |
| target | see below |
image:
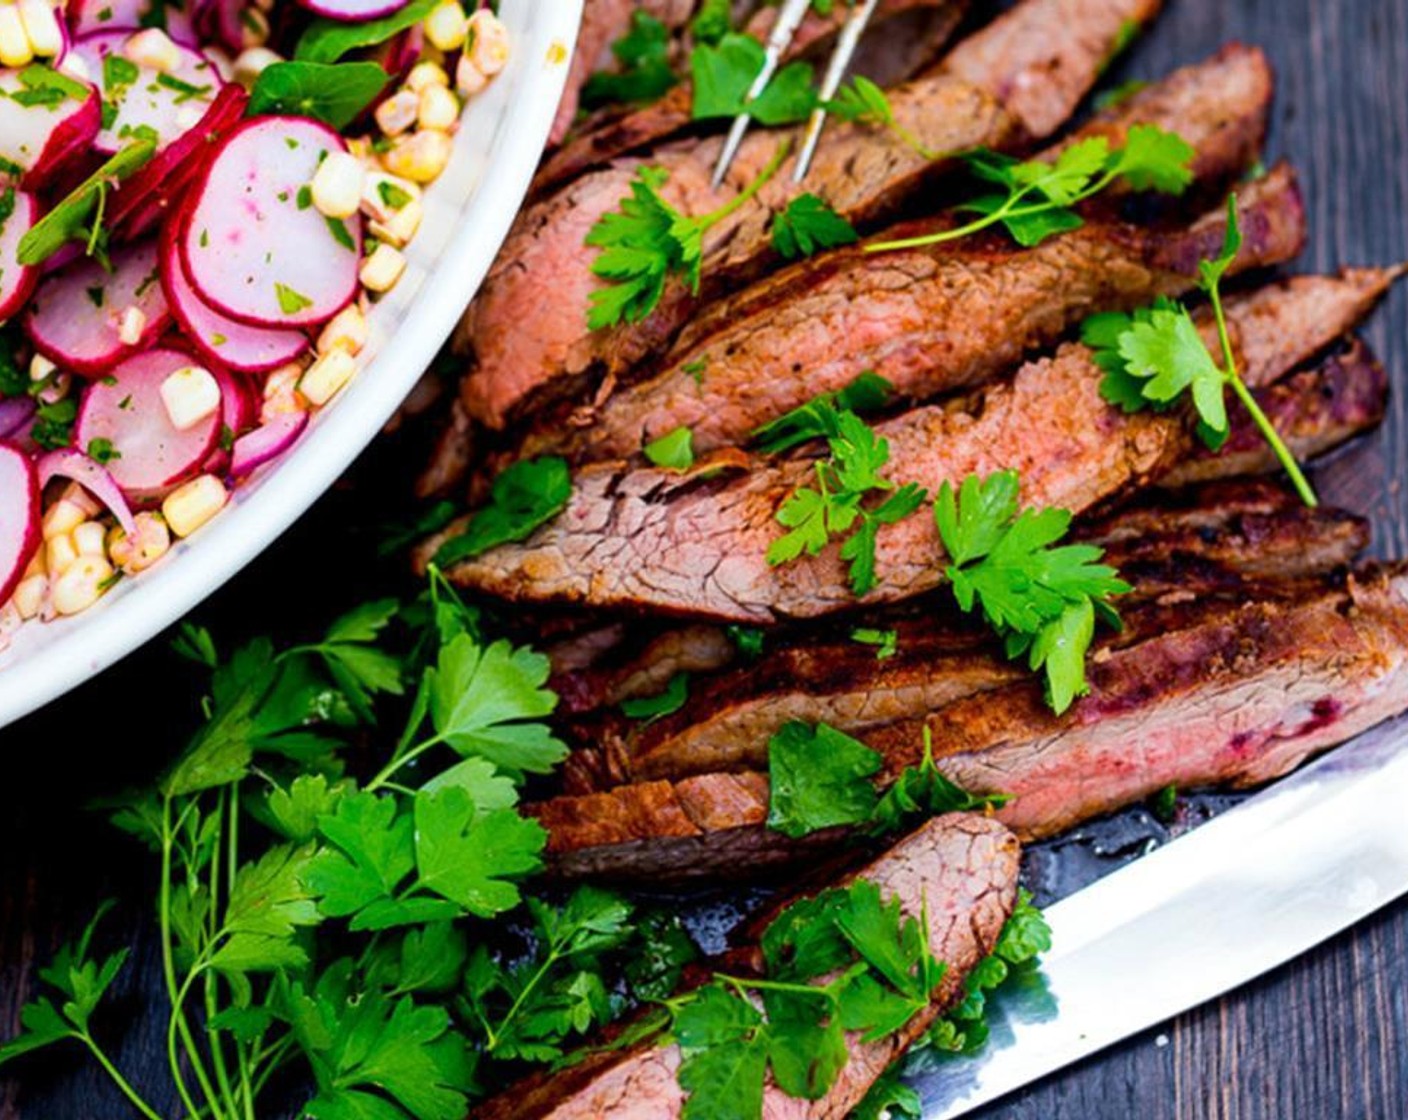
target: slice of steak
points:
(957, 873)
(930, 321)
(697, 543)
(1233, 694)
(546, 265)
(922, 27)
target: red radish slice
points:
(254, 247)
(268, 441)
(238, 412)
(170, 103)
(41, 136)
(92, 476)
(354, 11)
(126, 408)
(218, 337)
(19, 517)
(16, 280)
(15, 413)
(221, 20)
(75, 315)
(144, 200)
(87, 17)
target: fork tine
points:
(783, 31)
(846, 45)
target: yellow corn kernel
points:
(191, 394)
(153, 49)
(29, 595)
(382, 270)
(398, 112)
(469, 79)
(41, 25)
(439, 109)
(15, 49)
(446, 26)
(40, 367)
(193, 503)
(420, 157)
(90, 539)
(62, 518)
(347, 330)
(249, 64)
(327, 376)
(423, 75)
(487, 45)
(131, 326)
(59, 554)
(337, 185)
(136, 554)
(401, 226)
(82, 585)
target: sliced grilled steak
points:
(545, 263)
(921, 26)
(1232, 695)
(1314, 411)
(930, 321)
(958, 872)
(692, 545)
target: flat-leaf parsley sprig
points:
(1038, 197)
(1042, 600)
(647, 241)
(1155, 356)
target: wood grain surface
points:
(1326, 1037)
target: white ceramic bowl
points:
(467, 215)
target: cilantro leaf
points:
(524, 496)
(470, 855)
(673, 451)
(644, 74)
(1167, 352)
(819, 777)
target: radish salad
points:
(199, 202)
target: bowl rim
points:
(66, 652)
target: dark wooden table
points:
(1325, 1037)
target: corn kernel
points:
(401, 226)
(75, 67)
(383, 195)
(191, 394)
(90, 539)
(469, 79)
(193, 503)
(398, 112)
(381, 271)
(41, 24)
(131, 326)
(80, 497)
(423, 75)
(254, 28)
(15, 49)
(82, 585)
(136, 554)
(153, 49)
(446, 26)
(36, 564)
(327, 375)
(421, 157)
(487, 45)
(59, 554)
(40, 367)
(347, 330)
(29, 595)
(62, 518)
(337, 185)
(439, 108)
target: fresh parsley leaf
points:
(820, 777)
(14, 382)
(79, 215)
(666, 703)
(886, 642)
(673, 451)
(471, 855)
(643, 73)
(524, 496)
(809, 225)
(712, 21)
(923, 791)
(335, 93)
(748, 640)
(1165, 804)
(268, 904)
(725, 71)
(818, 417)
(889, 1098)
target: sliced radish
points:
(16, 280)
(86, 17)
(75, 315)
(144, 200)
(43, 135)
(220, 19)
(268, 441)
(125, 408)
(19, 517)
(238, 412)
(92, 476)
(354, 11)
(138, 98)
(254, 246)
(15, 413)
(218, 337)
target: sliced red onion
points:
(266, 442)
(15, 413)
(79, 468)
